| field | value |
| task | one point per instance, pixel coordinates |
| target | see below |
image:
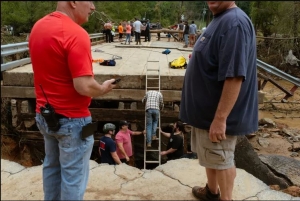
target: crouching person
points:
(107, 146)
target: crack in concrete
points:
(162, 171)
(126, 180)
(13, 173)
(94, 167)
(251, 198)
(291, 197)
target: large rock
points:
(171, 181)
(246, 158)
(288, 167)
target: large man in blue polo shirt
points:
(219, 95)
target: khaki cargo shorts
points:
(218, 156)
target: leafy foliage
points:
(23, 14)
(268, 16)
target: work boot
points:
(204, 194)
(136, 43)
(154, 137)
(149, 144)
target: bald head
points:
(78, 11)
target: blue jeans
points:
(66, 163)
(186, 39)
(127, 38)
(151, 123)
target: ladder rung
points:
(151, 161)
(152, 150)
(152, 78)
(152, 87)
(152, 61)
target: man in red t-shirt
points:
(60, 51)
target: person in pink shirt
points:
(128, 33)
(123, 140)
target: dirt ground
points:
(285, 115)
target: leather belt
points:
(60, 116)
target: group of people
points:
(118, 152)
(121, 151)
(189, 33)
(123, 27)
(219, 97)
(130, 28)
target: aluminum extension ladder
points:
(153, 83)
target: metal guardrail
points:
(275, 71)
(15, 48)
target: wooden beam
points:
(266, 79)
(106, 114)
(165, 30)
(112, 114)
(38, 137)
(115, 94)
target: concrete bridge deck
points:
(131, 67)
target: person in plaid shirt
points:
(154, 103)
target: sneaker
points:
(154, 137)
(204, 194)
(148, 144)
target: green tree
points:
(23, 14)
(245, 6)
(263, 14)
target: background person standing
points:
(120, 30)
(158, 26)
(192, 34)
(186, 33)
(147, 31)
(107, 28)
(223, 70)
(137, 25)
(128, 33)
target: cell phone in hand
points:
(116, 81)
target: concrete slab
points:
(131, 67)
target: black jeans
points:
(108, 35)
(147, 35)
(137, 37)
